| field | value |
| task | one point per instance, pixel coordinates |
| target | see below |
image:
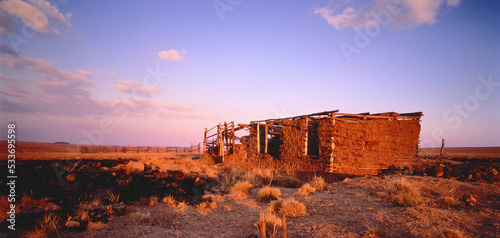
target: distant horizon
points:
(159, 72)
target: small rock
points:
(469, 199)
(134, 167)
(494, 172)
(72, 224)
(346, 180)
(70, 177)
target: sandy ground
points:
(344, 209)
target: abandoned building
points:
(354, 144)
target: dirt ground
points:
(352, 208)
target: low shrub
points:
(403, 194)
(269, 193)
(242, 187)
(305, 190)
(318, 183)
(142, 217)
(449, 233)
(169, 200)
(293, 208)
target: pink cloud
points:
(404, 13)
(171, 55)
(135, 87)
(37, 15)
(46, 68)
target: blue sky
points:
(159, 72)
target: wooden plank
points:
(258, 137)
(232, 137)
(265, 138)
(302, 116)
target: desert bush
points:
(142, 217)
(293, 208)
(112, 198)
(269, 193)
(318, 183)
(276, 206)
(147, 201)
(169, 200)
(305, 190)
(49, 224)
(271, 219)
(181, 207)
(242, 187)
(403, 194)
(372, 233)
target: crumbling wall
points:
(366, 147)
(294, 139)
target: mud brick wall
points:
(366, 147)
(294, 139)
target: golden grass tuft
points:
(49, 224)
(181, 207)
(142, 217)
(293, 208)
(170, 200)
(276, 206)
(112, 198)
(271, 219)
(305, 190)
(403, 194)
(318, 183)
(242, 187)
(269, 193)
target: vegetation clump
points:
(403, 194)
(306, 189)
(269, 193)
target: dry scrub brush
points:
(269, 193)
(293, 208)
(403, 194)
(318, 183)
(305, 190)
(241, 187)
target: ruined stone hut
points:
(354, 144)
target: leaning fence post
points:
(262, 226)
(283, 224)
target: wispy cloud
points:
(135, 87)
(36, 14)
(403, 13)
(171, 55)
(45, 67)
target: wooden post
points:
(232, 137)
(307, 135)
(205, 142)
(221, 143)
(226, 137)
(258, 137)
(442, 147)
(265, 139)
(262, 224)
(283, 224)
(199, 147)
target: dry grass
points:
(402, 193)
(112, 198)
(293, 208)
(170, 200)
(181, 207)
(276, 206)
(271, 219)
(242, 187)
(318, 183)
(269, 193)
(49, 224)
(147, 201)
(142, 217)
(305, 190)
(449, 201)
